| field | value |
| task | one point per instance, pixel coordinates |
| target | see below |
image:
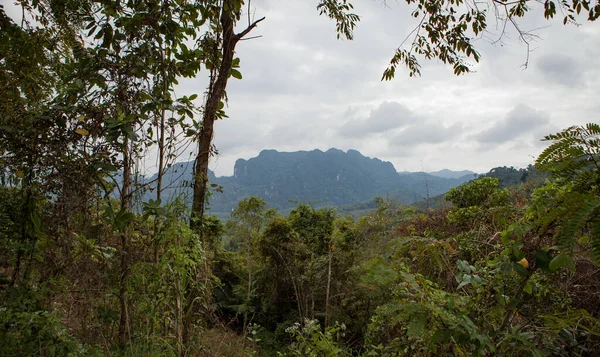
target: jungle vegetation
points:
(89, 267)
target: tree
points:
(447, 28)
(219, 45)
(90, 106)
(248, 221)
(219, 48)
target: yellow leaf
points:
(584, 239)
(81, 118)
(524, 263)
(82, 131)
(20, 174)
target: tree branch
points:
(240, 35)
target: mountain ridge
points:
(324, 178)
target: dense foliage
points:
(90, 265)
(502, 272)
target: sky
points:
(303, 89)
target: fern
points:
(595, 251)
(572, 200)
(575, 223)
(574, 149)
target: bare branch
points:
(250, 38)
(240, 35)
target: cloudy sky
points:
(302, 89)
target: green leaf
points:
(416, 325)
(506, 268)
(542, 260)
(528, 288)
(520, 269)
(236, 74)
(123, 219)
(437, 336)
(104, 166)
(583, 239)
(561, 260)
(109, 212)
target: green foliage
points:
(339, 11)
(481, 192)
(573, 157)
(509, 176)
(85, 89)
(311, 341)
(423, 319)
(474, 198)
(571, 201)
(28, 329)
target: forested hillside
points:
(332, 178)
(96, 259)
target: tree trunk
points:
(249, 287)
(125, 204)
(161, 153)
(328, 286)
(216, 93)
(179, 318)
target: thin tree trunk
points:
(161, 152)
(249, 287)
(328, 286)
(179, 318)
(312, 304)
(296, 289)
(125, 204)
(26, 212)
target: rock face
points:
(331, 178)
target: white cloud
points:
(520, 121)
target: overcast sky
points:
(302, 89)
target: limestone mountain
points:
(330, 178)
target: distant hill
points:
(330, 178)
(510, 176)
(445, 173)
(526, 179)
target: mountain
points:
(330, 178)
(449, 174)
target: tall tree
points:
(248, 221)
(220, 45)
